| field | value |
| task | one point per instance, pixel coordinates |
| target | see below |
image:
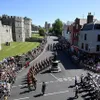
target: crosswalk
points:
(64, 79)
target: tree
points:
(42, 32)
(50, 30)
(57, 27)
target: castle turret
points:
(27, 27)
(19, 29)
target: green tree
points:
(42, 32)
(50, 30)
(57, 27)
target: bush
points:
(33, 39)
(42, 32)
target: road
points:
(58, 84)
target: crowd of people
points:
(90, 84)
(9, 67)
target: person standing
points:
(75, 80)
(43, 87)
(76, 91)
(8, 88)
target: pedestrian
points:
(28, 81)
(82, 78)
(76, 91)
(75, 80)
(8, 88)
(43, 87)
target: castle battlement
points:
(21, 26)
(19, 19)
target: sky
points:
(49, 10)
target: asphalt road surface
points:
(58, 85)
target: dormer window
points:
(97, 26)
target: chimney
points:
(77, 21)
(89, 18)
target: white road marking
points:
(69, 78)
(55, 77)
(52, 81)
(54, 93)
(14, 86)
(22, 98)
(65, 79)
(21, 85)
(58, 80)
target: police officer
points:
(76, 91)
(75, 80)
(82, 78)
(43, 87)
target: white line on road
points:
(22, 98)
(21, 85)
(54, 93)
(58, 80)
(55, 77)
(14, 86)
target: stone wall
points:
(5, 33)
(19, 29)
(27, 27)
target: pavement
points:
(59, 86)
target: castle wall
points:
(0, 35)
(5, 33)
(19, 29)
(27, 27)
(9, 20)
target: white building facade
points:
(89, 38)
(65, 32)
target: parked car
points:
(55, 66)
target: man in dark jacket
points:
(43, 87)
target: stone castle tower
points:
(21, 27)
(27, 27)
(5, 33)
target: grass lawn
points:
(16, 48)
(36, 35)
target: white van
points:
(55, 66)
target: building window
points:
(82, 46)
(98, 48)
(98, 37)
(85, 36)
(19, 36)
(97, 26)
(86, 46)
